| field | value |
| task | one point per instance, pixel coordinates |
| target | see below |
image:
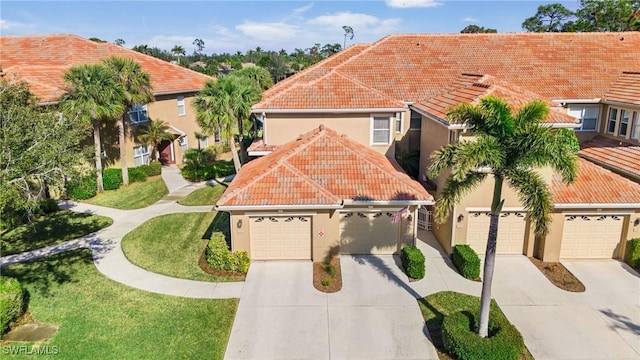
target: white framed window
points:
(398, 124)
(416, 121)
(182, 141)
(138, 114)
(611, 123)
(588, 116)
(182, 110)
(635, 126)
(623, 127)
(453, 136)
(204, 142)
(380, 130)
(141, 155)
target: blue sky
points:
(230, 26)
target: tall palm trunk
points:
(123, 151)
(490, 258)
(98, 154)
(234, 153)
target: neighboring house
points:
(42, 60)
(394, 94)
(322, 194)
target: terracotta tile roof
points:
(470, 88)
(413, 68)
(595, 185)
(258, 145)
(41, 60)
(321, 167)
(614, 154)
(626, 89)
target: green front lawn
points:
(102, 319)
(49, 230)
(436, 306)
(135, 196)
(172, 244)
(208, 195)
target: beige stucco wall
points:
(432, 137)
(282, 128)
(165, 108)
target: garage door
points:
(368, 233)
(511, 228)
(281, 238)
(591, 237)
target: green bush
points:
(467, 261)
(413, 262)
(136, 174)
(49, 206)
(633, 253)
(82, 188)
(112, 178)
(214, 170)
(329, 269)
(220, 257)
(459, 338)
(12, 304)
(153, 169)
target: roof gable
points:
(614, 154)
(626, 89)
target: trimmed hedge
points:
(205, 171)
(136, 174)
(633, 253)
(12, 304)
(413, 262)
(82, 188)
(112, 178)
(467, 261)
(220, 257)
(153, 169)
(459, 338)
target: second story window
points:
(611, 123)
(138, 114)
(588, 116)
(380, 130)
(416, 121)
(181, 108)
(624, 123)
(635, 126)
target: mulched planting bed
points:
(231, 275)
(323, 280)
(559, 275)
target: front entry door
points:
(166, 152)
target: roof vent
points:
(321, 127)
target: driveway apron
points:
(375, 315)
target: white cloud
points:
(303, 9)
(361, 23)
(267, 31)
(13, 25)
(404, 4)
(470, 19)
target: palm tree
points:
(153, 134)
(136, 85)
(509, 146)
(258, 74)
(224, 106)
(177, 51)
(94, 96)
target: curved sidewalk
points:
(111, 261)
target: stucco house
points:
(42, 60)
(392, 96)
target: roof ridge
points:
(310, 181)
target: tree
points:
(608, 15)
(330, 49)
(98, 40)
(508, 146)
(94, 96)
(38, 150)
(549, 18)
(199, 43)
(348, 33)
(155, 132)
(258, 74)
(136, 87)
(177, 51)
(119, 42)
(475, 29)
(224, 106)
(144, 49)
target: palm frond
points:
(470, 155)
(534, 112)
(534, 195)
(453, 191)
(442, 159)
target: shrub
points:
(413, 262)
(459, 338)
(467, 261)
(329, 269)
(12, 304)
(49, 206)
(326, 282)
(136, 174)
(112, 178)
(214, 170)
(220, 257)
(633, 253)
(82, 188)
(153, 169)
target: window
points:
(635, 126)
(588, 116)
(624, 123)
(182, 141)
(204, 141)
(138, 114)
(453, 137)
(181, 109)
(381, 131)
(141, 155)
(611, 124)
(416, 121)
(398, 124)
(216, 136)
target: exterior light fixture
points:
(460, 218)
(239, 224)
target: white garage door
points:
(591, 237)
(368, 233)
(281, 238)
(511, 228)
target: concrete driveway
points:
(374, 316)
